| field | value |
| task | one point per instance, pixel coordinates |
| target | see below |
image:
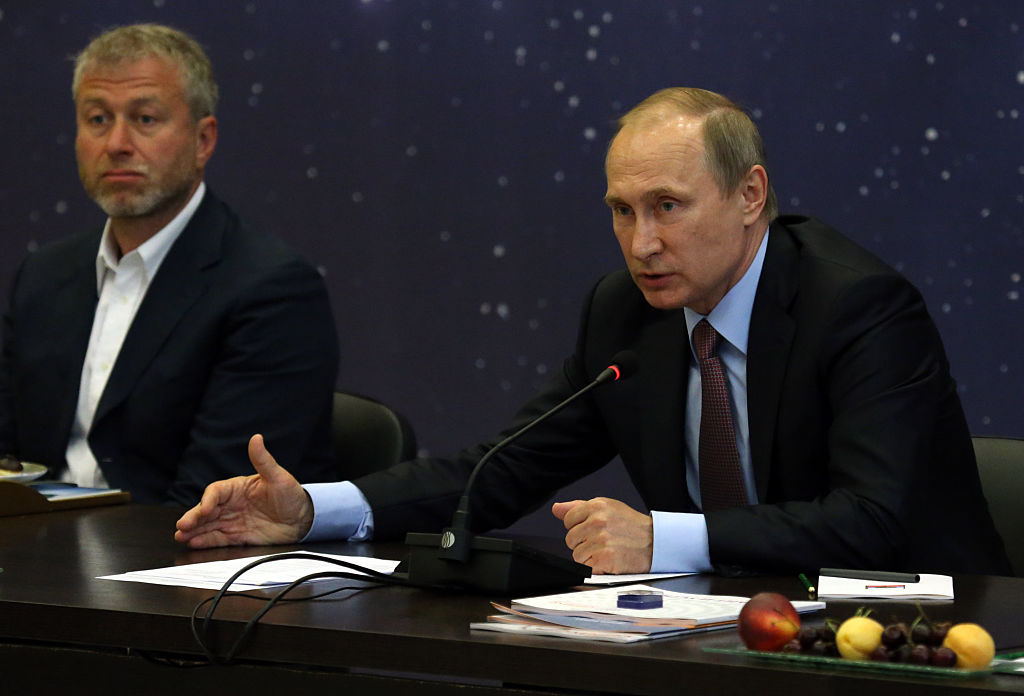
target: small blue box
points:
(640, 599)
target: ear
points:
(754, 193)
(206, 140)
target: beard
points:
(149, 197)
(122, 204)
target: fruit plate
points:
(867, 665)
(29, 472)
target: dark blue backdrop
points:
(442, 163)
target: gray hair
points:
(732, 143)
(138, 41)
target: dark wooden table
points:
(64, 631)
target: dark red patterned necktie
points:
(721, 483)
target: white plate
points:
(29, 472)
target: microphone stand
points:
(456, 558)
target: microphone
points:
(458, 558)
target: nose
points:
(646, 238)
(119, 139)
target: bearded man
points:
(140, 355)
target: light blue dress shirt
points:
(340, 511)
(680, 539)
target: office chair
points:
(368, 435)
(1001, 466)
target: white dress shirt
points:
(121, 285)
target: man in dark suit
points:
(141, 356)
(793, 407)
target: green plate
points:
(853, 664)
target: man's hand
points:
(607, 535)
(269, 507)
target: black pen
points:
(878, 575)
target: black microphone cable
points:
(201, 628)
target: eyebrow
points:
(653, 194)
(136, 102)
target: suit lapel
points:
(771, 336)
(75, 298)
(180, 281)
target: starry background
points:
(441, 163)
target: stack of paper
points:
(925, 587)
(58, 490)
(595, 615)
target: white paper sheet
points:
(213, 575)
(631, 579)
(928, 587)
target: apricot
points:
(972, 644)
(858, 637)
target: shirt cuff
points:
(680, 543)
(340, 511)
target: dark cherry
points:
(920, 654)
(939, 632)
(943, 657)
(807, 636)
(894, 636)
(922, 633)
(902, 653)
(879, 654)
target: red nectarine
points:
(768, 621)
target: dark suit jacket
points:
(859, 445)
(234, 336)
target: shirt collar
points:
(153, 250)
(731, 316)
